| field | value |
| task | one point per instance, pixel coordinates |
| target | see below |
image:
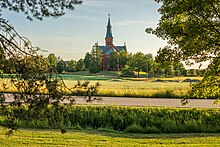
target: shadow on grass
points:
(120, 134)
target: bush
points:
(127, 72)
(151, 130)
(134, 128)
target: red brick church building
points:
(109, 46)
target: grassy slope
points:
(95, 138)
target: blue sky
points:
(73, 34)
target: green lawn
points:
(31, 137)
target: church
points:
(109, 46)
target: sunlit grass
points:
(139, 88)
(31, 137)
(133, 87)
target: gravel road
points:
(153, 102)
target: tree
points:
(95, 64)
(71, 66)
(123, 58)
(210, 84)
(52, 59)
(37, 83)
(192, 27)
(39, 9)
(127, 72)
(165, 59)
(138, 62)
(191, 72)
(61, 66)
(80, 66)
(149, 65)
(87, 60)
(113, 61)
(179, 68)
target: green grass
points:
(31, 137)
(86, 77)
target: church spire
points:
(109, 38)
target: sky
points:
(74, 34)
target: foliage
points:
(113, 61)
(37, 82)
(168, 61)
(87, 60)
(61, 66)
(80, 66)
(38, 9)
(127, 72)
(52, 59)
(138, 62)
(149, 65)
(83, 89)
(71, 66)
(131, 119)
(192, 28)
(165, 61)
(123, 58)
(95, 59)
(210, 85)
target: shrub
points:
(127, 72)
(151, 130)
(134, 128)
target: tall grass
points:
(129, 119)
(112, 86)
(125, 88)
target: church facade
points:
(109, 46)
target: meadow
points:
(114, 86)
(33, 137)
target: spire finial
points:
(124, 43)
(109, 15)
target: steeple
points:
(109, 38)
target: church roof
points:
(109, 29)
(120, 48)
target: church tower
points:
(109, 38)
(109, 47)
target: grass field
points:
(31, 137)
(132, 87)
(127, 88)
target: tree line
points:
(127, 63)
